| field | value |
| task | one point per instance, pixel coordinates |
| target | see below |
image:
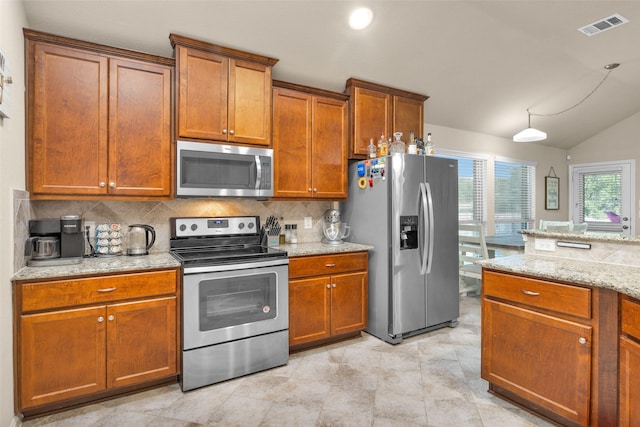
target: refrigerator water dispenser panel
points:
(408, 232)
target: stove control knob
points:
(194, 227)
(183, 227)
(241, 226)
(250, 225)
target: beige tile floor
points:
(429, 380)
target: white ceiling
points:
(482, 63)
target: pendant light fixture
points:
(533, 135)
(530, 134)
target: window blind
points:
(471, 188)
(515, 189)
(600, 200)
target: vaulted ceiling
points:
(482, 63)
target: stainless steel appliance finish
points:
(235, 299)
(217, 170)
(406, 206)
(55, 241)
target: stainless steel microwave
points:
(216, 170)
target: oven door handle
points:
(239, 266)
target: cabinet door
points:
(202, 94)
(139, 129)
(348, 303)
(309, 310)
(543, 359)
(408, 115)
(291, 143)
(629, 386)
(249, 103)
(67, 142)
(61, 355)
(371, 115)
(141, 341)
(329, 156)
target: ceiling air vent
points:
(603, 25)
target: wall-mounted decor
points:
(551, 191)
(5, 82)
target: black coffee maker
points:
(55, 241)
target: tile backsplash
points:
(157, 214)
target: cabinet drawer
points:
(564, 299)
(65, 293)
(327, 264)
(630, 317)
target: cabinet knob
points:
(112, 184)
(103, 184)
(334, 285)
(582, 340)
(309, 189)
(224, 131)
(232, 132)
(111, 317)
(315, 190)
(328, 285)
(100, 319)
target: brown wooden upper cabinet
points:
(98, 121)
(309, 142)
(375, 108)
(223, 94)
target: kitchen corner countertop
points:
(319, 248)
(621, 278)
(99, 265)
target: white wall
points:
(491, 146)
(12, 20)
(619, 142)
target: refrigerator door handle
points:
(427, 209)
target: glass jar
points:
(398, 145)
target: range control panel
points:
(214, 226)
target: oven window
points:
(232, 301)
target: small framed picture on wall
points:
(551, 193)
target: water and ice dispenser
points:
(409, 232)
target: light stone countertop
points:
(583, 237)
(319, 248)
(622, 278)
(100, 265)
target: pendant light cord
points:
(609, 67)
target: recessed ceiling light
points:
(360, 18)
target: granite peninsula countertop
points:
(319, 248)
(583, 237)
(99, 265)
(621, 278)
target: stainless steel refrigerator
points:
(406, 206)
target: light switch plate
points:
(545, 245)
(308, 222)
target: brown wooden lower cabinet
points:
(327, 298)
(629, 377)
(550, 347)
(71, 351)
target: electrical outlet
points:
(545, 245)
(308, 222)
(92, 227)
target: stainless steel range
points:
(235, 314)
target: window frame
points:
(529, 222)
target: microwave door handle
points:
(258, 172)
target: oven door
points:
(234, 302)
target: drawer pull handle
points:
(534, 294)
(107, 289)
(329, 265)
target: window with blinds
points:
(600, 200)
(514, 199)
(471, 187)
